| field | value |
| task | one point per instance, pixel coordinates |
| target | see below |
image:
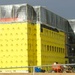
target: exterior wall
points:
(17, 45)
(50, 45)
(32, 50)
(13, 45)
(38, 38)
(27, 44)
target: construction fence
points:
(36, 70)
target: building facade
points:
(31, 36)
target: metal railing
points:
(68, 68)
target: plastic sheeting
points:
(44, 16)
(6, 13)
(72, 24)
(20, 12)
(17, 12)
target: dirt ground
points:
(37, 73)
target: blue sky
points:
(64, 8)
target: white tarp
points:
(6, 11)
(17, 12)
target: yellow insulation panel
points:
(50, 46)
(13, 45)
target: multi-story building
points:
(31, 36)
(71, 41)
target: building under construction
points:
(32, 36)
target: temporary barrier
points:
(67, 68)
